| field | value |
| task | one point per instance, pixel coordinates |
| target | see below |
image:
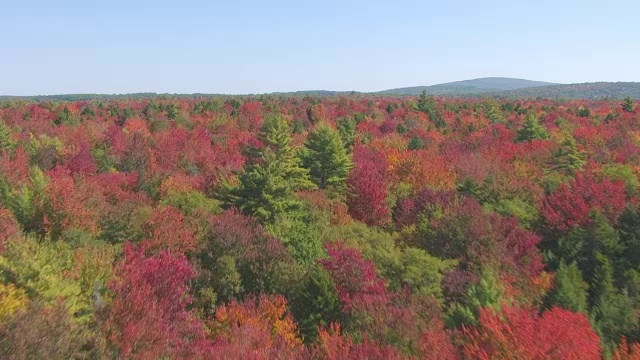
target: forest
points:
(305, 227)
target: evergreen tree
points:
(532, 129)
(271, 176)
(613, 310)
(428, 105)
(6, 138)
(347, 130)
(415, 143)
(487, 293)
(316, 304)
(627, 105)
(326, 158)
(568, 158)
(492, 111)
(570, 289)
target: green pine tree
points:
(326, 158)
(347, 130)
(271, 176)
(532, 129)
(627, 105)
(492, 111)
(613, 310)
(568, 159)
(570, 290)
(415, 143)
(6, 138)
(315, 304)
(488, 292)
(428, 105)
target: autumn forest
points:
(320, 227)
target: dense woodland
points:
(354, 227)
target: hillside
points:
(494, 86)
(597, 90)
(469, 87)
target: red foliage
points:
(14, 169)
(353, 275)
(333, 346)
(368, 187)
(569, 205)
(71, 204)
(167, 230)
(250, 116)
(83, 161)
(148, 318)
(497, 241)
(258, 255)
(522, 334)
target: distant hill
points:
(492, 86)
(469, 87)
(597, 90)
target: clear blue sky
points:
(54, 47)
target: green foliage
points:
(65, 117)
(623, 172)
(416, 144)
(487, 293)
(44, 151)
(271, 176)
(627, 105)
(492, 111)
(29, 203)
(6, 138)
(104, 161)
(400, 265)
(428, 105)
(582, 244)
(303, 239)
(228, 282)
(570, 291)
(315, 303)
(584, 112)
(347, 129)
(568, 159)
(532, 129)
(192, 202)
(525, 211)
(48, 271)
(629, 230)
(422, 272)
(326, 157)
(613, 310)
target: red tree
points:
(523, 334)
(368, 187)
(167, 230)
(570, 204)
(148, 318)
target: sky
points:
(240, 47)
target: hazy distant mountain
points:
(491, 86)
(598, 90)
(469, 87)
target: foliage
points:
(148, 317)
(368, 187)
(271, 176)
(326, 157)
(521, 334)
(359, 233)
(531, 130)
